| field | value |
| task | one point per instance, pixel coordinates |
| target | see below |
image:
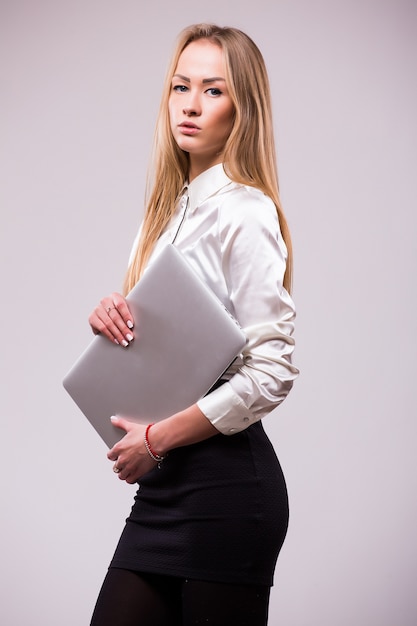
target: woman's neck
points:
(198, 165)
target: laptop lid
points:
(184, 340)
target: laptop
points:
(184, 340)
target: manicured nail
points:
(129, 324)
(125, 343)
(116, 342)
(129, 337)
(113, 418)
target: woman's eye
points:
(214, 91)
(180, 88)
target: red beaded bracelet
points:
(154, 456)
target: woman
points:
(211, 512)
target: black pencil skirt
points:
(214, 511)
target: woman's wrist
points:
(158, 458)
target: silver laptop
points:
(184, 340)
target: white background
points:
(79, 88)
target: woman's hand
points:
(113, 319)
(130, 455)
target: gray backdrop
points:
(80, 82)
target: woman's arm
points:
(253, 257)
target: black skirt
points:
(214, 511)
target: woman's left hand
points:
(131, 459)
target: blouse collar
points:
(206, 184)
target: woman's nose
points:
(192, 106)
(189, 110)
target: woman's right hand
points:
(113, 319)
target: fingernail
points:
(125, 343)
(113, 418)
(116, 342)
(129, 324)
(129, 337)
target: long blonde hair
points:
(249, 154)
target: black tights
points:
(130, 598)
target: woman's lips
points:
(188, 128)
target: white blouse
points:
(230, 235)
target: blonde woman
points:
(211, 511)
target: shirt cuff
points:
(226, 410)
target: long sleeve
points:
(253, 258)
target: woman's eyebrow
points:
(213, 80)
(184, 78)
(204, 81)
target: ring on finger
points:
(116, 469)
(109, 308)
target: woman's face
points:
(200, 108)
